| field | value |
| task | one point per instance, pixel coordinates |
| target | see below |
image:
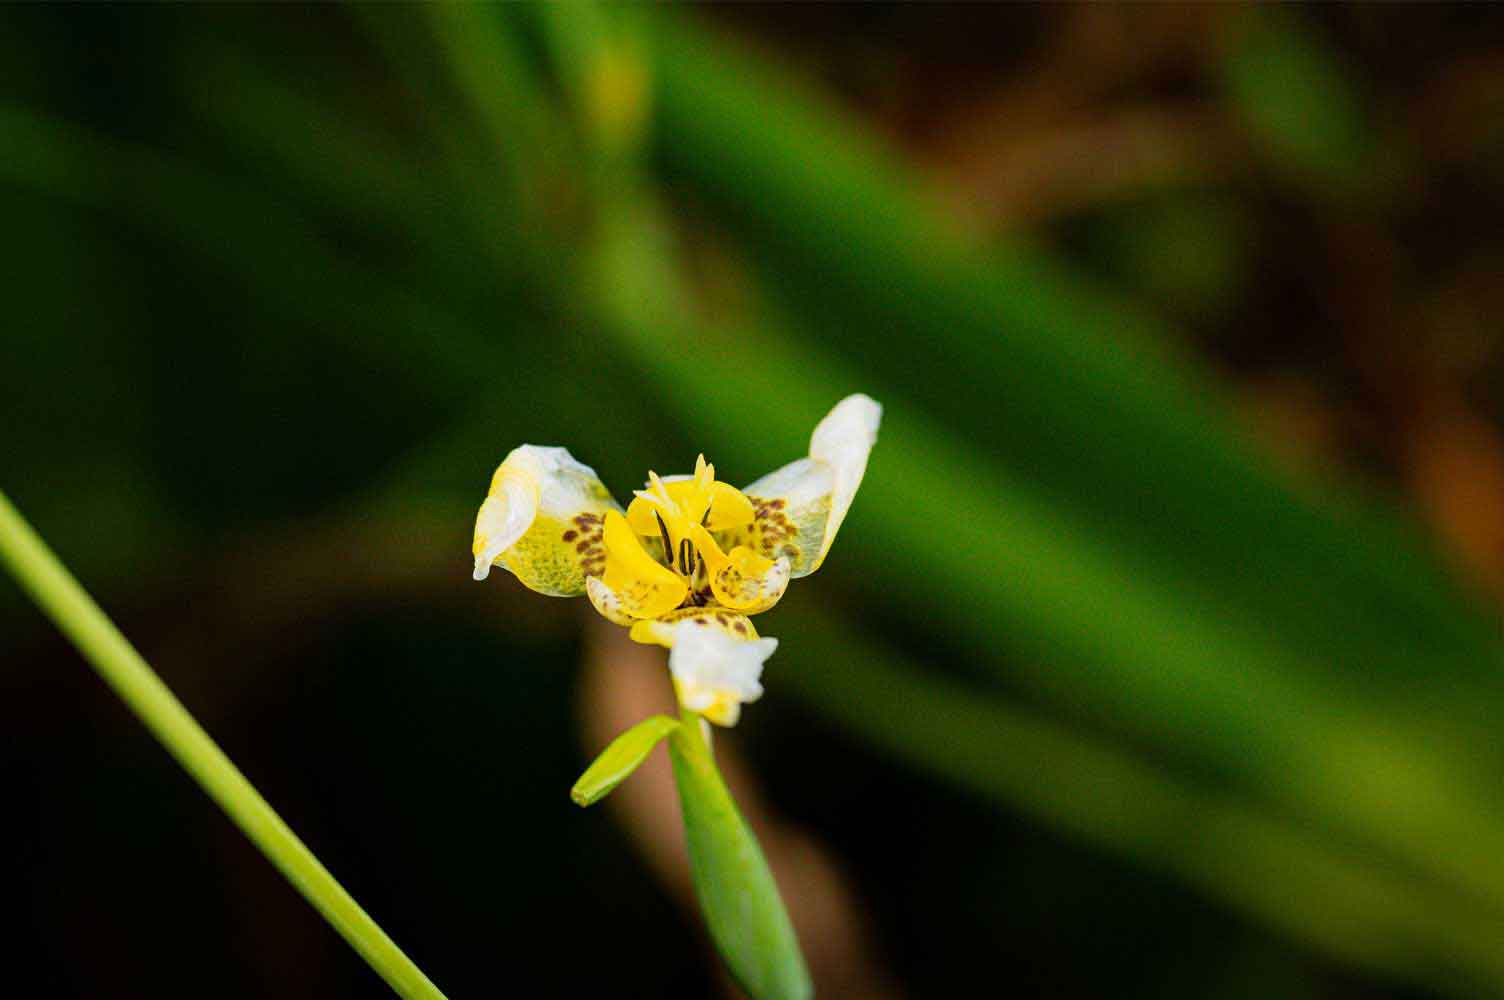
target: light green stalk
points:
(79, 618)
(742, 907)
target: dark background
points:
(1160, 653)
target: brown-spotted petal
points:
(542, 521)
(798, 509)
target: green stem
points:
(743, 911)
(79, 618)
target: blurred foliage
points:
(1159, 655)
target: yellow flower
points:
(690, 558)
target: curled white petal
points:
(564, 482)
(713, 669)
(843, 440)
(504, 517)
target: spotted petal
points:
(542, 521)
(743, 580)
(798, 509)
(660, 631)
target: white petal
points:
(504, 517)
(817, 491)
(711, 666)
(843, 440)
(565, 484)
(802, 483)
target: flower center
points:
(680, 513)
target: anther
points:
(668, 546)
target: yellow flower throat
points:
(684, 515)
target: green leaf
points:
(1301, 105)
(742, 907)
(620, 759)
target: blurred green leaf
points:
(1082, 622)
(1300, 103)
(742, 907)
(1118, 633)
(1292, 875)
(259, 241)
(620, 759)
(1191, 252)
(1067, 384)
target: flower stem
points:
(743, 911)
(79, 618)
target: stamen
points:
(661, 491)
(668, 546)
(704, 473)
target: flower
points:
(690, 558)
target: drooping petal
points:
(660, 631)
(640, 586)
(504, 517)
(716, 673)
(542, 521)
(742, 580)
(799, 508)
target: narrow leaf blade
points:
(620, 759)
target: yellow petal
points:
(729, 508)
(689, 501)
(660, 631)
(799, 508)
(743, 580)
(542, 521)
(643, 514)
(644, 587)
(722, 708)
